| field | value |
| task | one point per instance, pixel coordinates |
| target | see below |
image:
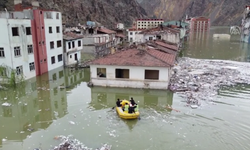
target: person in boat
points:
(118, 103)
(132, 102)
(126, 107)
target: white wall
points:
(120, 26)
(133, 36)
(8, 42)
(171, 37)
(136, 77)
(69, 56)
(53, 37)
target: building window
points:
(101, 72)
(59, 57)
(57, 29)
(131, 33)
(57, 15)
(53, 60)
(152, 74)
(2, 52)
(59, 43)
(17, 51)
(19, 70)
(52, 45)
(150, 38)
(60, 74)
(30, 49)
(15, 31)
(28, 30)
(69, 45)
(32, 66)
(73, 44)
(122, 73)
(70, 56)
(50, 30)
(79, 43)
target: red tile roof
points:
(105, 30)
(173, 47)
(134, 57)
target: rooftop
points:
(149, 57)
(159, 29)
(71, 36)
(105, 30)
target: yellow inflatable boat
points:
(126, 115)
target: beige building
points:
(148, 23)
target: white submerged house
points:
(133, 68)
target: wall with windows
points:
(73, 51)
(132, 35)
(130, 76)
(54, 39)
(16, 46)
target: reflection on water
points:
(106, 97)
(36, 103)
(216, 44)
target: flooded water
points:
(42, 109)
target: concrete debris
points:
(70, 143)
(197, 79)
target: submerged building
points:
(31, 40)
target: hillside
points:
(221, 12)
(107, 12)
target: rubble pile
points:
(70, 143)
(198, 79)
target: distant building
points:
(138, 67)
(30, 40)
(148, 23)
(119, 26)
(73, 46)
(132, 32)
(198, 24)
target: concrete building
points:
(198, 24)
(119, 26)
(30, 41)
(148, 23)
(142, 67)
(132, 32)
(73, 45)
(160, 33)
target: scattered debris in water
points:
(199, 79)
(70, 143)
(6, 104)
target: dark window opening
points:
(101, 72)
(79, 43)
(53, 60)
(2, 52)
(50, 30)
(152, 74)
(52, 46)
(57, 15)
(54, 76)
(69, 45)
(59, 57)
(60, 74)
(28, 30)
(59, 43)
(57, 29)
(15, 31)
(30, 49)
(73, 44)
(122, 73)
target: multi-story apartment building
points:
(31, 40)
(199, 24)
(148, 23)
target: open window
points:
(152, 74)
(122, 73)
(101, 72)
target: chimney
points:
(18, 5)
(35, 4)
